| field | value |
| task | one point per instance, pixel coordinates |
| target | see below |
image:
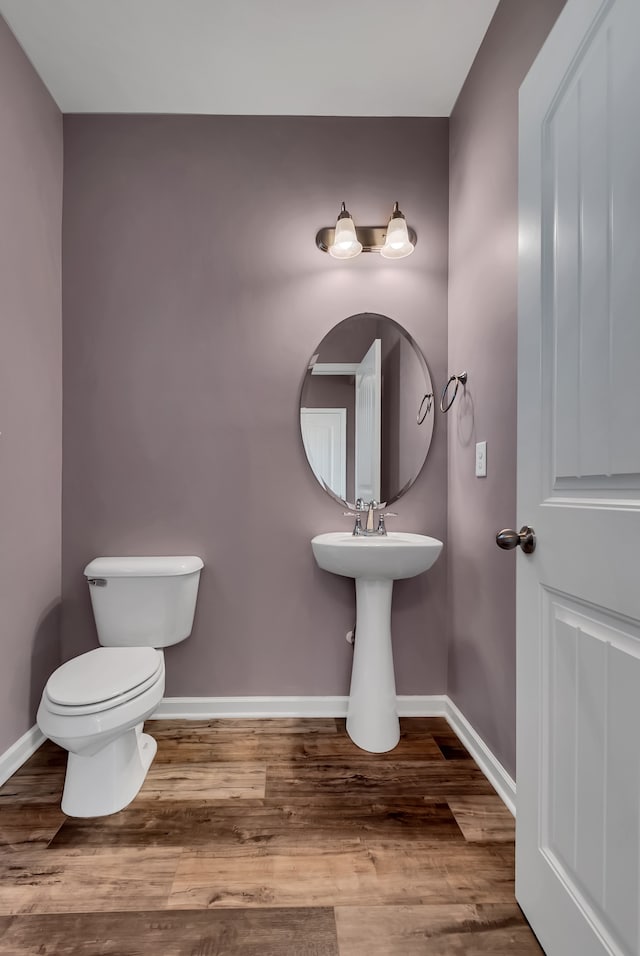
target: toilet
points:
(95, 705)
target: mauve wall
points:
(193, 298)
(483, 255)
(30, 387)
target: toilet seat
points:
(102, 679)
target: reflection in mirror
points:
(366, 410)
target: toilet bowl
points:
(95, 705)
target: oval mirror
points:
(366, 410)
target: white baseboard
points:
(415, 705)
(13, 758)
(502, 783)
(214, 708)
(211, 708)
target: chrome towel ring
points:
(428, 402)
(459, 380)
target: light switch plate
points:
(481, 459)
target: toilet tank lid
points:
(143, 567)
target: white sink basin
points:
(398, 554)
(375, 562)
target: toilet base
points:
(109, 780)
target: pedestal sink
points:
(375, 562)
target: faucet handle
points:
(381, 517)
(357, 528)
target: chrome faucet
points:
(370, 507)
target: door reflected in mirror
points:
(366, 410)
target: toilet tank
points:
(143, 602)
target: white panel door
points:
(369, 423)
(324, 435)
(578, 619)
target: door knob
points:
(509, 539)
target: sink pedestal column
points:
(372, 716)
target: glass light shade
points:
(397, 244)
(346, 244)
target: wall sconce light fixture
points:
(345, 243)
(346, 240)
(397, 243)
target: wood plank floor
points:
(266, 838)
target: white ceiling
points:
(275, 57)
